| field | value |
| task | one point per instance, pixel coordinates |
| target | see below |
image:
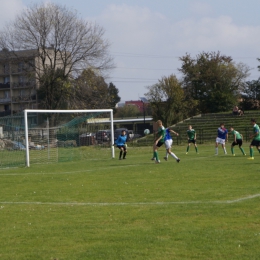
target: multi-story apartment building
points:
(18, 82)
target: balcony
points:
(26, 98)
(5, 113)
(4, 85)
(23, 85)
(5, 100)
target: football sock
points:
(251, 152)
(167, 155)
(174, 156)
(242, 150)
(188, 148)
(120, 155)
(156, 156)
(124, 155)
(232, 150)
(216, 150)
(196, 148)
(225, 151)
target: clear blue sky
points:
(148, 36)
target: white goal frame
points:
(26, 111)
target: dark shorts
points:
(159, 144)
(121, 146)
(239, 142)
(192, 141)
(255, 143)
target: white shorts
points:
(220, 140)
(168, 144)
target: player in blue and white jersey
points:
(168, 144)
(222, 138)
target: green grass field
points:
(205, 207)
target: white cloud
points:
(9, 9)
(131, 26)
(138, 29)
(212, 34)
(135, 29)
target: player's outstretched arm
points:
(173, 132)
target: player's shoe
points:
(244, 154)
(187, 153)
(156, 162)
(165, 158)
(153, 159)
(216, 154)
(225, 153)
(233, 155)
(250, 158)
(120, 158)
(197, 153)
(178, 160)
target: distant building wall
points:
(138, 103)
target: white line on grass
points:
(130, 203)
(92, 170)
(72, 172)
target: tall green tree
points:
(113, 96)
(251, 95)
(166, 99)
(90, 91)
(213, 80)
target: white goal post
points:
(26, 111)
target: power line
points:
(139, 55)
(145, 69)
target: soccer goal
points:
(59, 135)
(49, 136)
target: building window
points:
(6, 68)
(7, 94)
(7, 80)
(22, 93)
(22, 79)
(20, 66)
(30, 64)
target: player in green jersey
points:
(238, 140)
(256, 139)
(191, 139)
(159, 141)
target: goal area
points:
(51, 136)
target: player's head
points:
(222, 125)
(123, 132)
(231, 128)
(159, 122)
(190, 127)
(253, 121)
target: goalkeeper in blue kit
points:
(121, 144)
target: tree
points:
(113, 95)
(213, 80)
(251, 95)
(61, 42)
(167, 100)
(92, 92)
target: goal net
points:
(51, 136)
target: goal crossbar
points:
(26, 111)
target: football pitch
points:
(205, 207)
